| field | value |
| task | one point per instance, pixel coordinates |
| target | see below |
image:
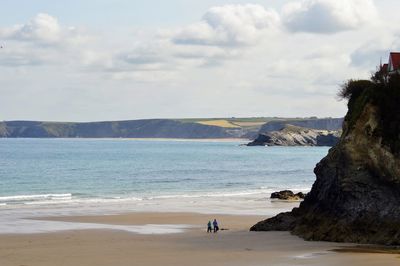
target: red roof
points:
(394, 60)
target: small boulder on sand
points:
(287, 195)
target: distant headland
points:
(197, 128)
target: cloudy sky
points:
(120, 59)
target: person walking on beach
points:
(215, 224)
(209, 228)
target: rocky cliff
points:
(297, 136)
(356, 195)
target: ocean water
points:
(62, 177)
(62, 171)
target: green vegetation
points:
(231, 119)
(380, 91)
(357, 92)
(246, 123)
(353, 88)
(219, 123)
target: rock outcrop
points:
(356, 195)
(287, 195)
(297, 136)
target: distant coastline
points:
(191, 129)
(244, 140)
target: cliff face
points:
(296, 136)
(356, 195)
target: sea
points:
(40, 177)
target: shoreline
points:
(192, 246)
(23, 218)
(148, 139)
(227, 202)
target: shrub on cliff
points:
(384, 93)
(353, 88)
(356, 92)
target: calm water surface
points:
(49, 170)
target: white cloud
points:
(328, 16)
(375, 48)
(43, 28)
(368, 55)
(242, 54)
(42, 40)
(229, 25)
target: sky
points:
(117, 60)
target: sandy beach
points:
(191, 246)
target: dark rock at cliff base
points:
(301, 195)
(356, 195)
(282, 222)
(328, 140)
(287, 195)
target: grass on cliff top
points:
(219, 123)
(242, 122)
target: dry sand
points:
(236, 246)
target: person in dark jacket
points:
(216, 227)
(209, 227)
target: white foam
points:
(57, 199)
(241, 203)
(35, 197)
(67, 198)
(216, 194)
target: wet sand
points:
(193, 246)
